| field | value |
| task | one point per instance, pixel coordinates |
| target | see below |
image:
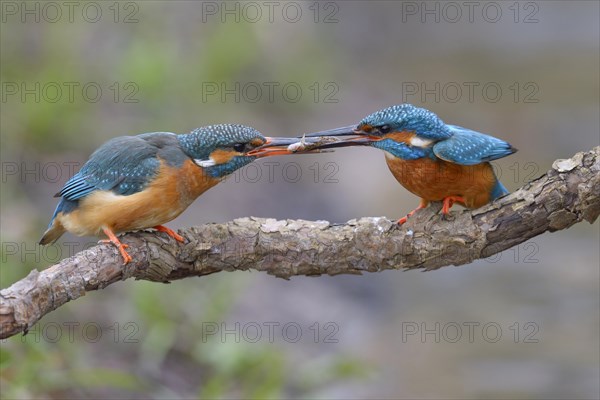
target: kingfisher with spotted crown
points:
(144, 181)
(433, 160)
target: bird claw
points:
(108, 241)
(449, 201)
(126, 257)
(112, 239)
(170, 232)
(121, 247)
(403, 220)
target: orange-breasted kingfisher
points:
(433, 160)
(144, 181)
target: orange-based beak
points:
(278, 146)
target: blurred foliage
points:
(152, 342)
(167, 336)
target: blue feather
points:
(65, 206)
(467, 147)
(406, 117)
(498, 190)
(124, 165)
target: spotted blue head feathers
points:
(208, 147)
(406, 118)
(201, 142)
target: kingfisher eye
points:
(239, 147)
(385, 129)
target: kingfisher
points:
(144, 181)
(431, 159)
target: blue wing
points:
(124, 165)
(467, 147)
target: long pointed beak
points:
(277, 146)
(343, 131)
(329, 138)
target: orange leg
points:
(172, 233)
(449, 202)
(422, 204)
(112, 238)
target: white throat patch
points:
(420, 142)
(205, 163)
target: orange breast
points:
(162, 201)
(433, 180)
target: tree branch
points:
(568, 193)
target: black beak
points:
(343, 131)
(331, 138)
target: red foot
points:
(402, 220)
(449, 202)
(170, 232)
(112, 238)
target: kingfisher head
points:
(406, 118)
(222, 149)
(401, 124)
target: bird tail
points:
(498, 190)
(55, 228)
(54, 231)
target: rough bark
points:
(568, 193)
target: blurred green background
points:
(74, 77)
